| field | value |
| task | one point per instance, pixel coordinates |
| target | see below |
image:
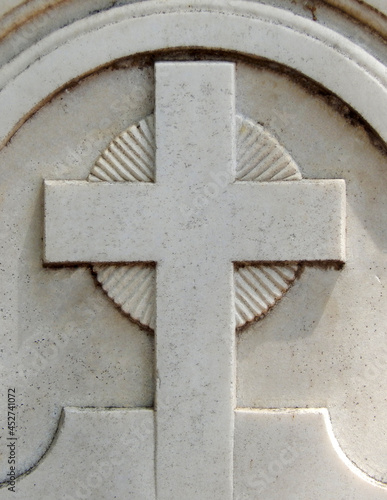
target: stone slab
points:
(195, 339)
(322, 345)
(122, 222)
(293, 454)
(195, 329)
(89, 458)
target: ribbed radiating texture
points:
(131, 158)
(258, 288)
(132, 288)
(260, 157)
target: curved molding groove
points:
(372, 13)
(28, 21)
(237, 27)
(49, 447)
(130, 157)
(293, 451)
(79, 453)
(300, 44)
(272, 449)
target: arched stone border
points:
(243, 27)
(363, 12)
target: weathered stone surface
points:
(301, 190)
(86, 464)
(293, 454)
(278, 221)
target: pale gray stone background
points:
(323, 346)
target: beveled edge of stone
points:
(71, 414)
(310, 417)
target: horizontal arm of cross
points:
(99, 222)
(288, 221)
(125, 222)
(194, 243)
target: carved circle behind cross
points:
(130, 157)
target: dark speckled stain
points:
(311, 6)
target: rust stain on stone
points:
(149, 58)
(28, 17)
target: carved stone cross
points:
(195, 329)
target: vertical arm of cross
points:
(195, 327)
